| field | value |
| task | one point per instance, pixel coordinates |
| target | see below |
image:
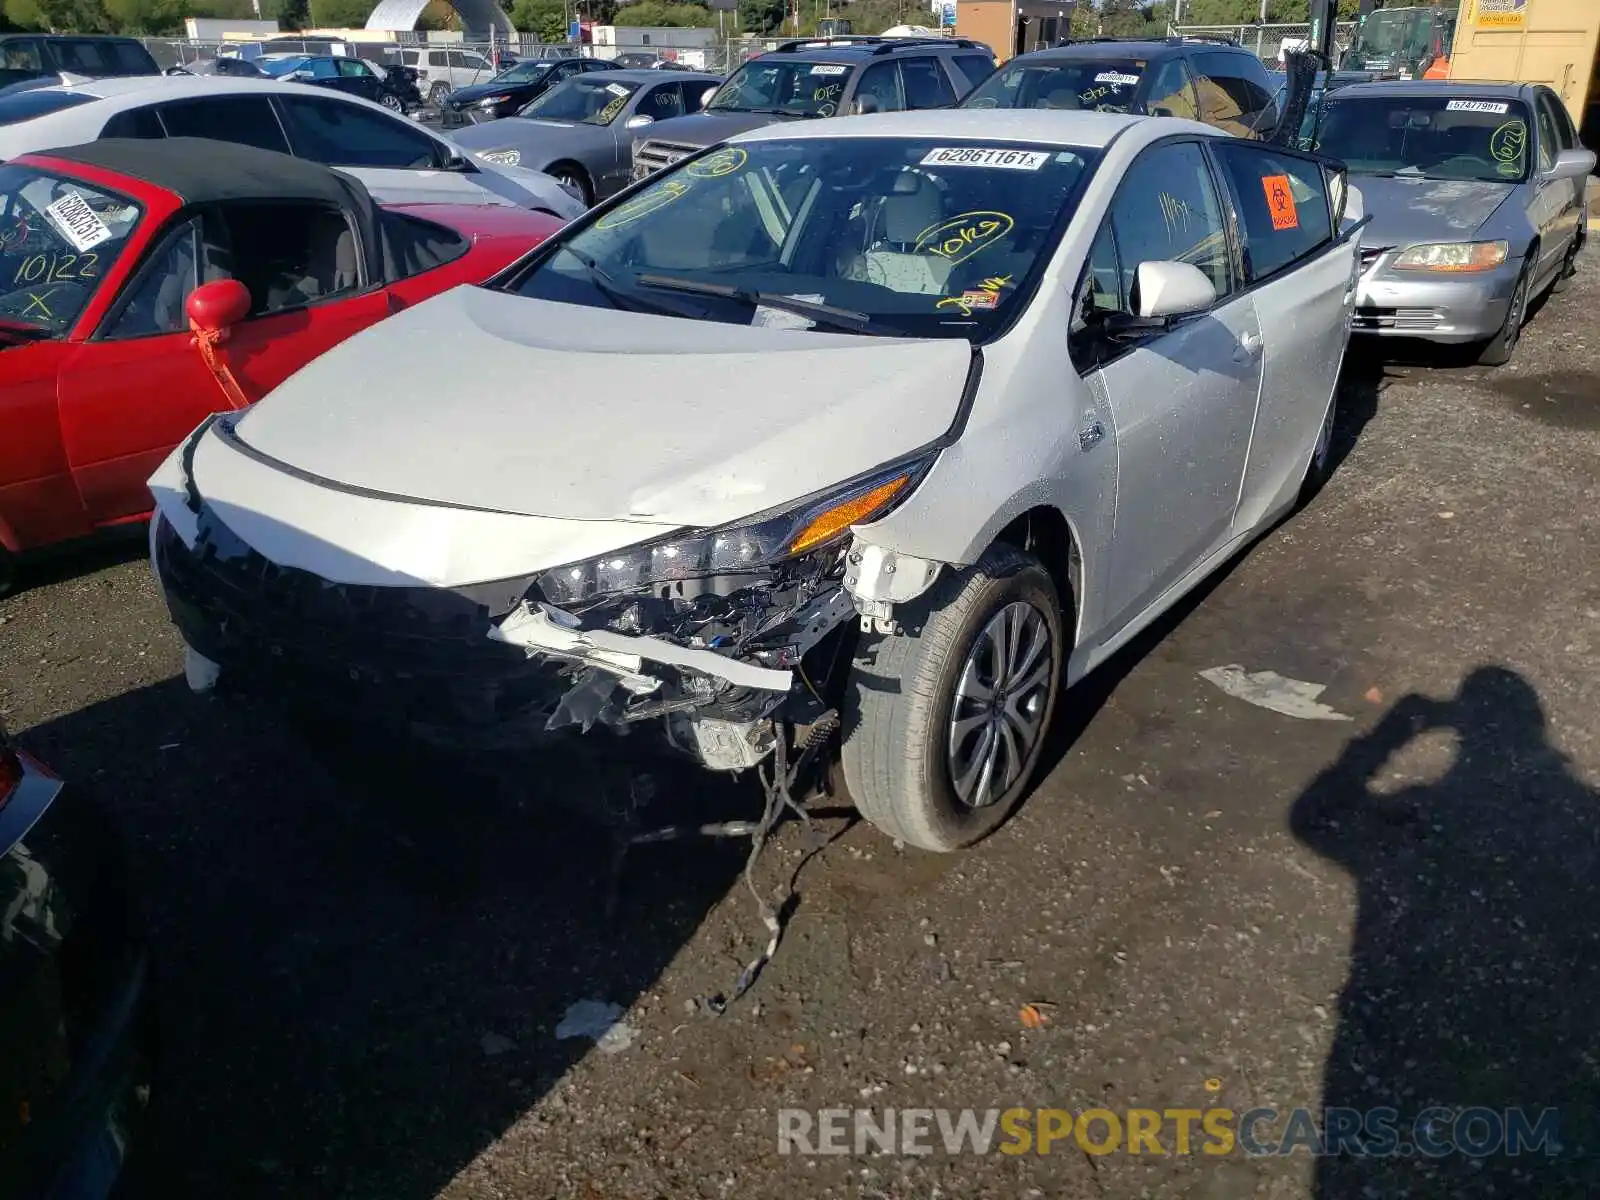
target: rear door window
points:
(338, 134)
(1282, 204)
(245, 120)
(19, 58)
(925, 83)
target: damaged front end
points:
(707, 630)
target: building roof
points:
(207, 172)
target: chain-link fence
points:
(1268, 42)
(475, 62)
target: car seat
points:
(892, 258)
(330, 266)
(1064, 97)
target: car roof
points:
(640, 75)
(1077, 51)
(1057, 127)
(862, 51)
(1412, 88)
(130, 90)
(206, 172)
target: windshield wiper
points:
(16, 333)
(822, 314)
(619, 296)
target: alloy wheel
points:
(1002, 697)
(391, 102)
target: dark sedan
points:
(75, 1028)
(512, 89)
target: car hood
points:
(705, 128)
(555, 410)
(463, 97)
(539, 141)
(1406, 211)
(490, 184)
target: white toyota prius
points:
(914, 419)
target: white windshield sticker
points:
(1478, 106)
(986, 156)
(826, 69)
(616, 89)
(1118, 78)
(77, 222)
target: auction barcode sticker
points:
(829, 69)
(616, 89)
(1118, 78)
(77, 222)
(1478, 106)
(985, 156)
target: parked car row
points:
(878, 511)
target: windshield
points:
(58, 238)
(896, 236)
(1432, 137)
(1099, 84)
(523, 72)
(282, 66)
(796, 89)
(1390, 37)
(587, 101)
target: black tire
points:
(1497, 351)
(8, 572)
(1569, 264)
(570, 172)
(437, 93)
(1319, 468)
(902, 694)
(392, 102)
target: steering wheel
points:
(50, 304)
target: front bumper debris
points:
(489, 667)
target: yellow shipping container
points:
(1535, 41)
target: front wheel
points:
(392, 102)
(437, 93)
(574, 179)
(1499, 349)
(945, 722)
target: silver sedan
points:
(582, 131)
(1476, 192)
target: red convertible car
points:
(145, 284)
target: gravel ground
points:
(365, 952)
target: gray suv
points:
(822, 78)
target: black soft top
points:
(207, 172)
(204, 172)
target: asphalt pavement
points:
(366, 952)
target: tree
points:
(546, 19)
(340, 14)
(762, 16)
(650, 14)
(145, 16)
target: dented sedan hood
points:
(488, 400)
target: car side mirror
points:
(1573, 164)
(638, 121)
(864, 105)
(1163, 290)
(214, 307)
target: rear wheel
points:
(392, 102)
(437, 93)
(1499, 349)
(945, 722)
(8, 572)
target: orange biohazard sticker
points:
(1280, 202)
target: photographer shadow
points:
(1475, 964)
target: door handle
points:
(1249, 346)
(1089, 436)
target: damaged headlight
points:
(760, 541)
